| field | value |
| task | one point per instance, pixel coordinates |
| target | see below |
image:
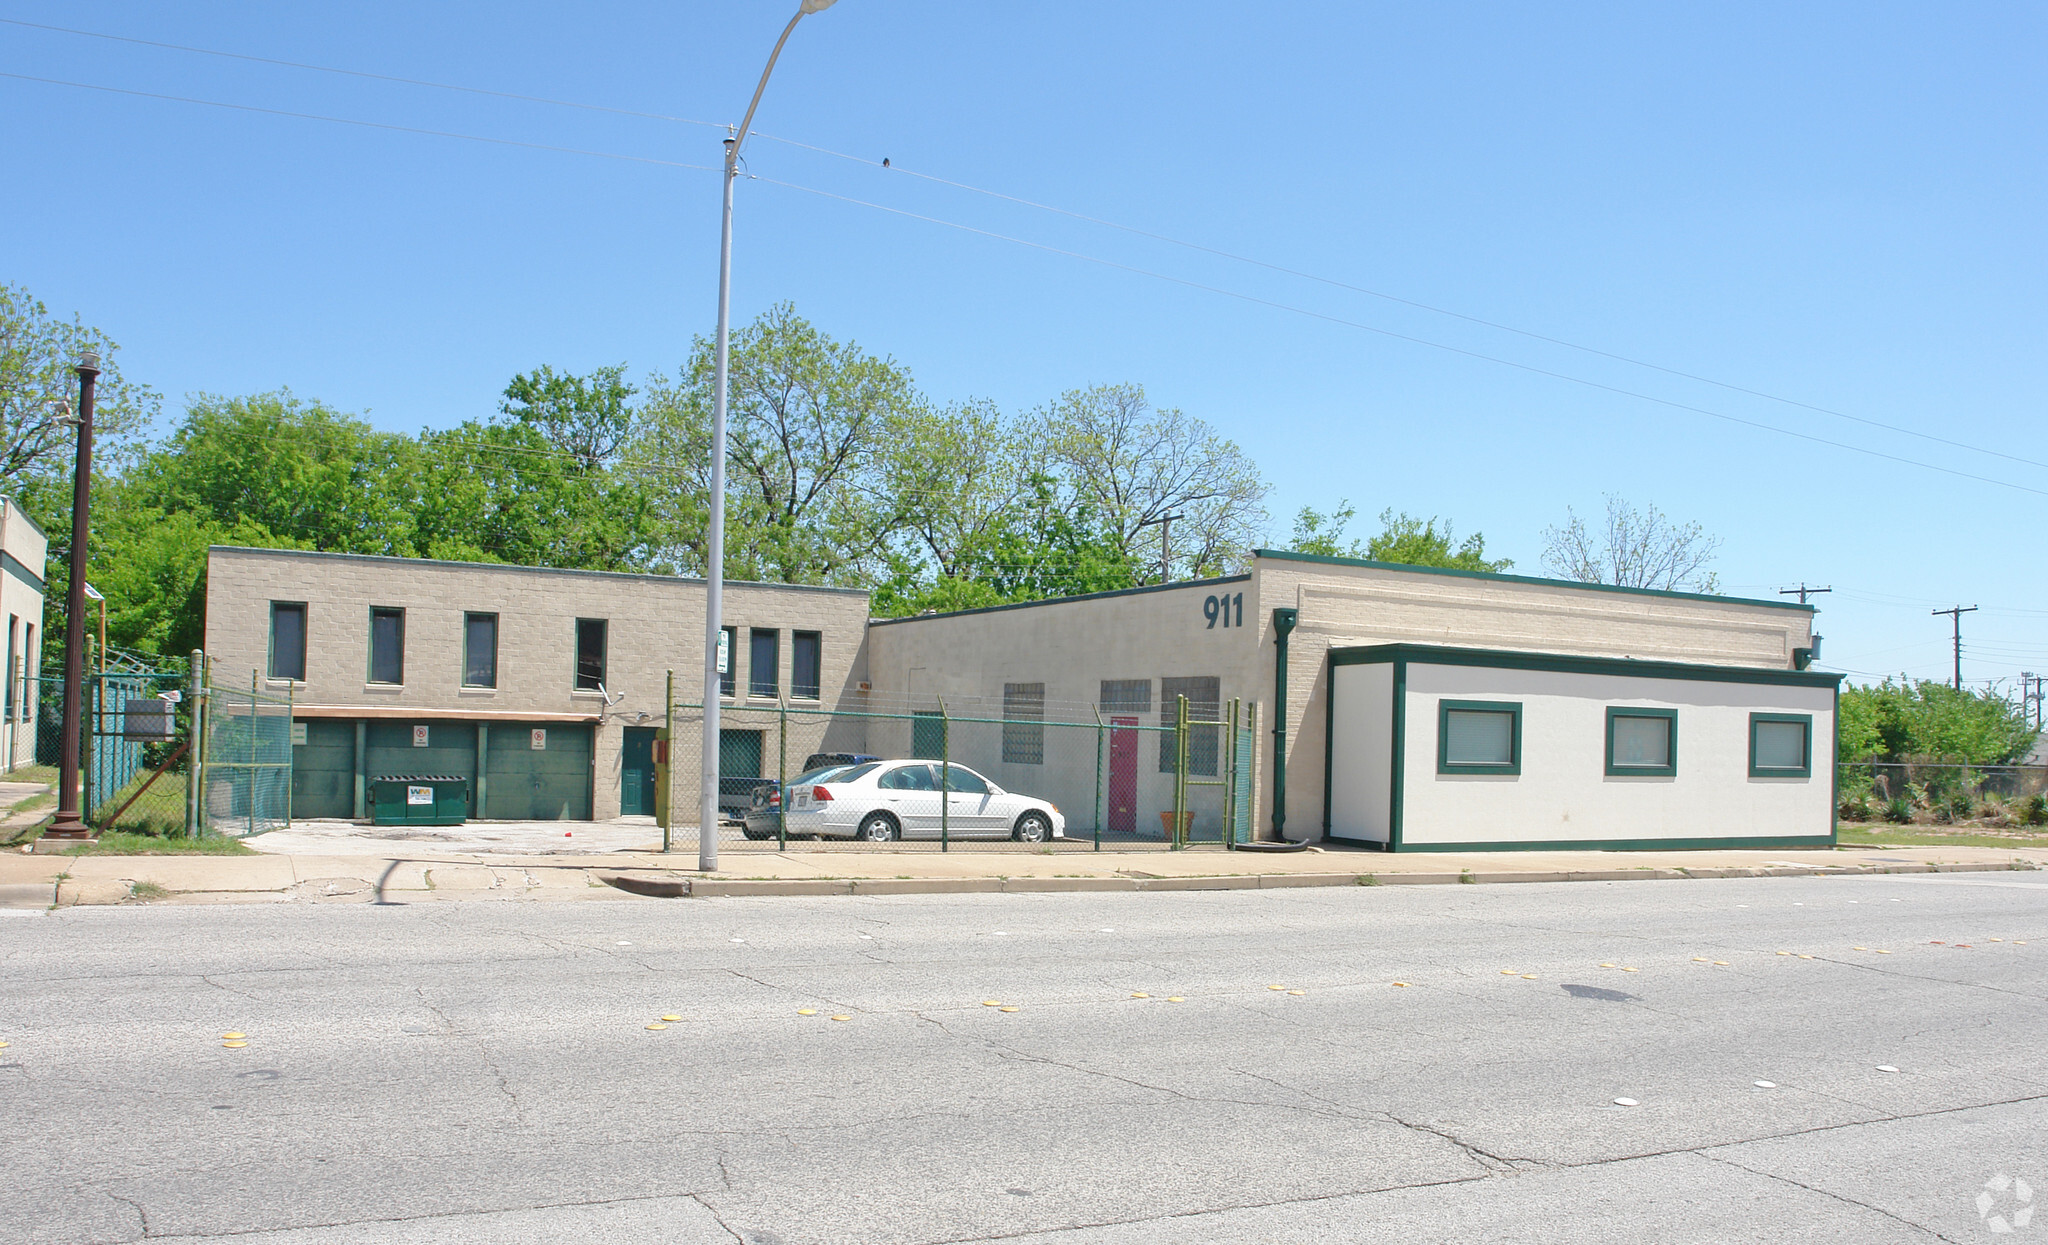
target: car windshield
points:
(856, 773)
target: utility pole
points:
(2031, 694)
(1956, 614)
(1165, 525)
(69, 828)
(1803, 591)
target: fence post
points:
(1095, 810)
(290, 706)
(782, 773)
(252, 754)
(1250, 776)
(192, 747)
(667, 802)
(945, 777)
(1228, 764)
(1180, 773)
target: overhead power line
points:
(1406, 337)
(1406, 302)
(373, 125)
(359, 73)
(1044, 207)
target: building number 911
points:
(1217, 609)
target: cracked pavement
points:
(457, 1073)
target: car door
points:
(910, 794)
(971, 805)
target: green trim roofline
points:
(15, 568)
(1439, 655)
(1327, 560)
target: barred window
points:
(1205, 697)
(1024, 723)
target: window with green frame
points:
(1641, 743)
(1478, 737)
(1781, 745)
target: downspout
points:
(1283, 624)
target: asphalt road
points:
(482, 1072)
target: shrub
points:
(1960, 806)
(1898, 810)
(2035, 811)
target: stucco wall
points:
(1563, 793)
(21, 610)
(1343, 605)
(1362, 772)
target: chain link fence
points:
(1943, 793)
(1113, 776)
(245, 762)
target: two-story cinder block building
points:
(1400, 707)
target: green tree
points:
(1403, 538)
(38, 386)
(1922, 720)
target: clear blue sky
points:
(1837, 204)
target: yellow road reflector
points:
(234, 1045)
(1804, 956)
(1626, 1102)
(1607, 965)
(1784, 953)
(842, 1018)
(1528, 976)
(657, 1025)
(1699, 959)
(1720, 963)
(1509, 972)
(806, 1011)
(671, 1019)
(1882, 951)
(1297, 992)
(1859, 948)
(1402, 984)
(1175, 998)
(1276, 987)
(1994, 940)
(2019, 942)
(232, 1037)
(991, 1002)
(1626, 969)
(1006, 1009)
(3, 1046)
(1140, 994)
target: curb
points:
(674, 886)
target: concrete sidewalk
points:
(409, 873)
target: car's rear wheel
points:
(1033, 827)
(878, 828)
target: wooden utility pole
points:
(1956, 614)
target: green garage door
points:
(324, 769)
(537, 772)
(394, 749)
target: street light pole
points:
(714, 553)
(70, 827)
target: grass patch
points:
(129, 843)
(45, 774)
(1877, 834)
(147, 890)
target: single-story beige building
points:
(24, 552)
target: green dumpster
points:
(419, 800)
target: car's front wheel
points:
(1032, 827)
(877, 828)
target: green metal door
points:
(636, 773)
(536, 772)
(927, 736)
(417, 748)
(324, 769)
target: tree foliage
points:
(1634, 548)
(1403, 538)
(1922, 720)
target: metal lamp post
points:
(714, 578)
(70, 827)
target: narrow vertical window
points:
(479, 650)
(805, 659)
(590, 645)
(288, 640)
(30, 685)
(13, 675)
(764, 662)
(728, 655)
(1024, 723)
(387, 646)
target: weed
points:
(1465, 876)
(147, 890)
(1368, 879)
(1898, 810)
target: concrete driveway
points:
(481, 838)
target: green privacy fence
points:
(1118, 775)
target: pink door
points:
(1123, 777)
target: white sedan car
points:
(881, 801)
